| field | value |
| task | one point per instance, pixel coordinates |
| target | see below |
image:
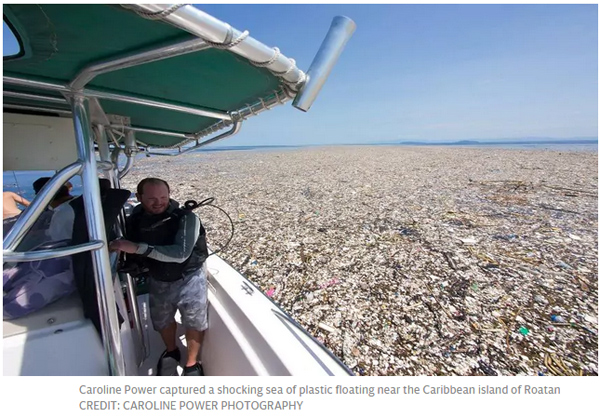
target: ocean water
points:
(566, 146)
(21, 182)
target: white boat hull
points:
(248, 335)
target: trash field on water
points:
(414, 261)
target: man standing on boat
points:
(170, 243)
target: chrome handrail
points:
(138, 58)
(113, 176)
(37, 109)
(109, 95)
(109, 321)
(41, 255)
(159, 104)
(234, 130)
(120, 128)
(130, 151)
(36, 97)
(26, 220)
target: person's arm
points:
(181, 249)
(178, 252)
(21, 200)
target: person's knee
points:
(163, 324)
(195, 319)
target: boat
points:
(84, 97)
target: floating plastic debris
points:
(395, 241)
(329, 283)
(327, 328)
(469, 241)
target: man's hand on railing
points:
(123, 245)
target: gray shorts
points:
(188, 295)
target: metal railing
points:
(112, 174)
(26, 220)
(106, 95)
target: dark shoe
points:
(168, 362)
(194, 370)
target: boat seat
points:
(112, 201)
(66, 310)
(47, 341)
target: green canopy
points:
(58, 41)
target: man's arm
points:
(178, 252)
(181, 249)
(21, 200)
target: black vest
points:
(160, 230)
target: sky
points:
(431, 72)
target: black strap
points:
(150, 249)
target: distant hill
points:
(506, 141)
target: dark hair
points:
(39, 183)
(155, 181)
(61, 193)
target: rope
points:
(228, 45)
(160, 14)
(288, 88)
(277, 97)
(290, 69)
(264, 104)
(270, 61)
(251, 110)
(288, 91)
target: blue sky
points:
(432, 72)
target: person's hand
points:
(123, 245)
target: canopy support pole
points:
(37, 109)
(106, 95)
(234, 130)
(139, 58)
(223, 36)
(105, 294)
